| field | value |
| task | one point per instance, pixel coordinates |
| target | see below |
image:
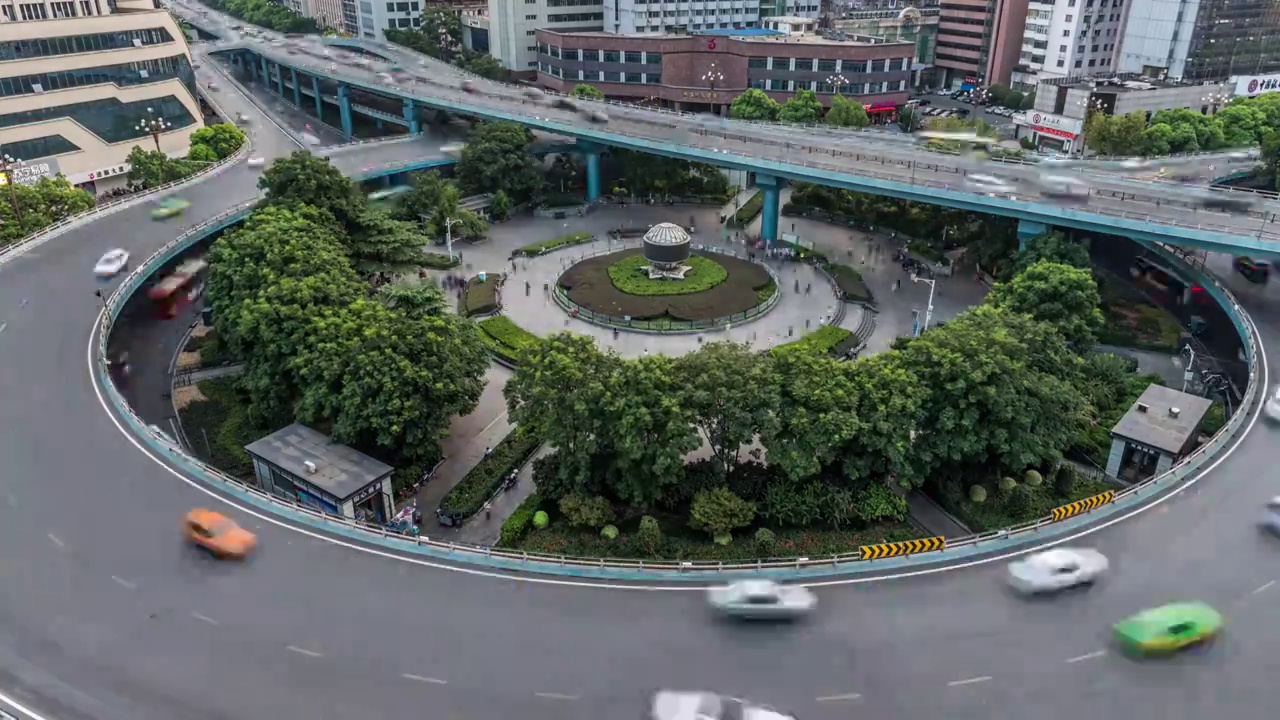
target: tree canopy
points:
(497, 157)
(1240, 123)
(847, 113)
(41, 204)
(803, 107)
(269, 15)
(754, 104)
(588, 92)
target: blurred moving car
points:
(218, 534)
(1227, 200)
(1271, 520)
(1064, 188)
(596, 116)
(762, 600)
(111, 264)
(989, 184)
(1255, 271)
(169, 207)
(1273, 404)
(1057, 569)
(697, 705)
(1168, 628)
(257, 162)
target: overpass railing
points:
(562, 564)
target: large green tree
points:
(803, 107)
(1054, 247)
(817, 413)
(40, 205)
(498, 157)
(303, 178)
(1062, 296)
(587, 92)
(754, 104)
(890, 409)
(731, 395)
(650, 431)
(851, 113)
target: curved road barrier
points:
(1072, 509)
(898, 549)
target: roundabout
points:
(105, 616)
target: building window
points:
(73, 44)
(632, 56)
(653, 79)
(854, 66)
(125, 74)
(570, 54)
(758, 63)
(826, 65)
(653, 58)
(633, 78)
(40, 147)
(391, 7)
(1060, 62)
(531, 17)
(1078, 63)
(109, 119)
(613, 77)
(611, 56)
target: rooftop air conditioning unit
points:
(310, 466)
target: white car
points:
(257, 162)
(1273, 404)
(111, 264)
(1271, 520)
(696, 705)
(1057, 569)
(452, 149)
(989, 184)
(762, 600)
(1065, 188)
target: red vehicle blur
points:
(181, 288)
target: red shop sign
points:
(879, 107)
(1054, 131)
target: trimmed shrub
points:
(504, 338)
(554, 243)
(440, 261)
(850, 283)
(1020, 501)
(722, 539)
(631, 276)
(822, 341)
(766, 542)
(649, 536)
(517, 524)
(719, 512)
(977, 494)
(1064, 481)
(609, 532)
(749, 210)
(1032, 478)
(1007, 484)
(482, 481)
(541, 520)
(481, 298)
(586, 510)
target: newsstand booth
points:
(299, 463)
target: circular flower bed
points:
(631, 276)
(590, 285)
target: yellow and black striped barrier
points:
(906, 547)
(1085, 505)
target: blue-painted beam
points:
(1028, 229)
(593, 175)
(772, 188)
(297, 89)
(411, 114)
(280, 80)
(344, 109)
(315, 91)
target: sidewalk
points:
(486, 527)
(933, 518)
(738, 201)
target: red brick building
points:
(706, 72)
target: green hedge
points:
(563, 200)
(631, 276)
(749, 210)
(554, 243)
(481, 298)
(218, 427)
(506, 339)
(823, 340)
(850, 282)
(440, 261)
(469, 496)
(518, 523)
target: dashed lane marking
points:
(555, 696)
(304, 651)
(1086, 656)
(204, 618)
(427, 680)
(57, 540)
(847, 697)
(1263, 588)
(969, 681)
(124, 583)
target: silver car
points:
(1064, 188)
(1273, 405)
(696, 705)
(1057, 569)
(988, 184)
(1271, 520)
(762, 600)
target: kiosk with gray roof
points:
(1160, 429)
(300, 463)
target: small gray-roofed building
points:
(1160, 429)
(298, 462)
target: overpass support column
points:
(772, 187)
(297, 89)
(344, 108)
(315, 94)
(1027, 229)
(411, 114)
(592, 154)
(280, 79)
(266, 74)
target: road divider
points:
(906, 547)
(1072, 509)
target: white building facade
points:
(1157, 37)
(1067, 38)
(513, 24)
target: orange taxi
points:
(218, 534)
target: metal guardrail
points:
(559, 563)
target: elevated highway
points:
(105, 616)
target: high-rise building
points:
(513, 27)
(915, 25)
(1067, 38)
(979, 41)
(85, 81)
(1199, 40)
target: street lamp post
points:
(1214, 100)
(1091, 105)
(7, 163)
(448, 234)
(928, 311)
(836, 82)
(711, 77)
(154, 126)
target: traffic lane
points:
(280, 110)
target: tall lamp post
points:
(836, 82)
(711, 77)
(1214, 100)
(1091, 105)
(7, 164)
(448, 234)
(154, 126)
(928, 311)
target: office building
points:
(979, 41)
(513, 26)
(704, 73)
(1204, 41)
(629, 17)
(81, 82)
(914, 25)
(1069, 38)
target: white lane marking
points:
(303, 651)
(204, 618)
(475, 572)
(495, 422)
(23, 710)
(124, 583)
(555, 696)
(1263, 588)
(57, 540)
(969, 681)
(838, 698)
(1086, 656)
(421, 679)
(3, 325)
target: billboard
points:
(1056, 125)
(1253, 85)
(29, 173)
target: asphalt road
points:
(105, 614)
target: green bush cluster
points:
(218, 427)
(506, 339)
(591, 511)
(749, 210)
(849, 281)
(822, 341)
(469, 496)
(649, 536)
(440, 261)
(517, 524)
(631, 276)
(480, 297)
(1006, 502)
(554, 243)
(265, 14)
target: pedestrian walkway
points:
(195, 376)
(737, 201)
(486, 527)
(936, 521)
